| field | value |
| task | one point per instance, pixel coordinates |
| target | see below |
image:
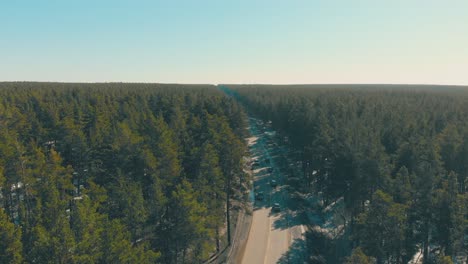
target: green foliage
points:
(444, 260)
(409, 142)
(358, 257)
(87, 225)
(190, 225)
(10, 237)
(117, 248)
(117, 173)
(381, 229)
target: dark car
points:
(276, 207)
(259, 196)
(294, 181)
(273, 183)
(255, 165)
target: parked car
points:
(273, 183)
(259, 196)
(255, 165)
(276, 207)
(294, 181)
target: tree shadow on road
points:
(288, 220)
(262, 184)
(292, 217)
(297, 253)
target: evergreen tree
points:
(358, 257)
(381, 229)
(10, 237)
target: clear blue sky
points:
(241, 41)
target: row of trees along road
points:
(117, 173)
(398, 155)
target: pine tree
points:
(210, 187)
(186, 233)
(358, 257)
(117, 248)
(381, 229)
(87, 225)
(10, 237)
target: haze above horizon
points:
(274, 42)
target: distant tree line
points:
(397, 155)
(117, 173)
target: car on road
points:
(273, 183)
(259, 196)
(276, 207)
(294, 181)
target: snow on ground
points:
(328, 220)
(417, 258)
(252, 140)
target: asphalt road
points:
(275, 237)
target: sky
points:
(241, 41)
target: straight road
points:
(275, 237)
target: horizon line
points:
(235, 83)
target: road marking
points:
(268, 239)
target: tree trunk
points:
(426, 247)
(217, 239)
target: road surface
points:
(275, 237)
